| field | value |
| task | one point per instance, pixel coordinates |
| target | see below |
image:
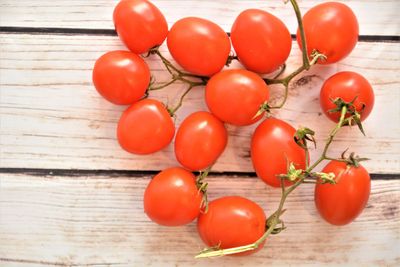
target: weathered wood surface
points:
(99, 221)
(52, 117)
(375, 17)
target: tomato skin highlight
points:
(262, 41)
(235, 96)
(272, 148)
(348, 86)
(145, 127)
(121, 77)
(341, 203)
(232, 221)
(199, 46)
(330, 28)
(172, 197)
(200, 140)
(140, 25)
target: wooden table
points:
(71, 197)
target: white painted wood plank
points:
(74, 221)
(52, 117)
(375, 17)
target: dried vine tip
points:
(325, 178)
(293, 174)
(302, 135)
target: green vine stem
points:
(202, 186)
(176, 75)
(299, 177)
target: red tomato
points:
(261, 41)
(145, 127)
(341, 203)
(332, 29)
(172, 197)
(200, 140)
(235, 96)
(199, 46)
(231, 222)
(273, 148)
(121, 77)
(140, 25)
(347, 85)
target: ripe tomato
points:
(332, 29)
(200, 140)
(273, 148)
(261, 41)
(347, 85)
(145, 127)
(172, 197)
(199, 46)
(121, 77)
(235, 96)
(140, 25)
(341, 203)
(231, 222)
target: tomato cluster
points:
(262, 44)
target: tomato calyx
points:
(354, 115)
(202, 186)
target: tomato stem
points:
(306, 61)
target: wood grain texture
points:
(98, 221)
(52, 117)
(95, 14)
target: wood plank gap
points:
(111, 32)
(141, 173)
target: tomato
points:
(273, 148)
(121, 77)
(200, 140)
(199, 46)
(145, 127)
(341, 203)
(235, 96)
(232, 221)
(348, 86)
(261, 41)
(172, 197)
(332, 29)
(140, 25)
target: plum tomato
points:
(261, 41)
(121, 77)
(199, 46)
(140, 25)
(348, 86)
(172, 197)
(200, 140)
(235, 96)
(273, 148)
(232, 221)
(341, 203)
(145, 127)
(331, 28)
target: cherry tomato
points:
(273, 148)
(235, 96)
(140, 25)
(172, 197)
(199, 46)
(261, 41)
(121, 77)
(200, 140)
(341, 203)
(348, 86)
(330, 28)
(145, 127)
(232, 221)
